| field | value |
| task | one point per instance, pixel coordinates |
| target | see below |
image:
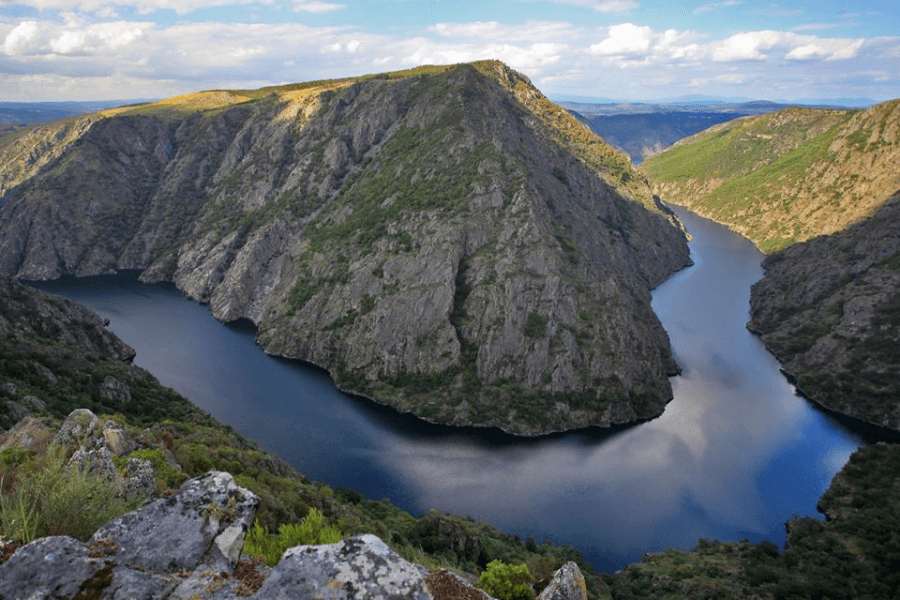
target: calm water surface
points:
(735, 454)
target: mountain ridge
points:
(786, 176)
(427, 237)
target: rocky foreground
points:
(188, 546)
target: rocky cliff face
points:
(445, 241)
(56, 354)
(829, 309)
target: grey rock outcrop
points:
(358, 568)
(77, 427)
(205, 523)
(28, 434)
(188, 547)
(16, 411)
(567, 584)
(144, 554)
(140, 480)
(115, 390)
(117, 439)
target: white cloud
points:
(756, 45)
(829, 49)
(36, 38)
(746, 46)
(732, 78)
(107, 7)
(87, 57)
(625, 39)
(23, 39)
(529, 31)
(317, 7)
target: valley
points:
(527, 307)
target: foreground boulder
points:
(144, 554)
(188, 547)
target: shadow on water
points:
(735, 454)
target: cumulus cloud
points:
(756, 45)
(626, 38)
(87, 56)
(35, 38)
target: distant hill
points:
(787, 176)
(645, 134)
(24, 113)
(645, 129)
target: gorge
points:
(734, 456)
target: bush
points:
(311, 530)
(507, 582)
(49, 498)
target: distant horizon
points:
(560, 98)
(85, 50)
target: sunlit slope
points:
(788, 176)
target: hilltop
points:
(787, 176)
(444, 240)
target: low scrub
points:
(42, 496)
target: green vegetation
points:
(36, 363)
(507, 582)
(535, 325)
(311, 530)
(42, 496)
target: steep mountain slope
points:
(444, 240)
(826, 307)
(829, 309)
(56, 355)
(788, 176)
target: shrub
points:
(311, 530)
(49, 498)
(507, 582)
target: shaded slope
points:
(445, 240)
(829, 309)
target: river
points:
(735, 455)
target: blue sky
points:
(795, 50)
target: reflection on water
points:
(735, 454)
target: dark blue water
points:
(734, 456)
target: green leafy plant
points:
(311, 530)
(50, 498)
(507, 582)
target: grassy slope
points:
(788, 176)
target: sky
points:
(623, 50)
